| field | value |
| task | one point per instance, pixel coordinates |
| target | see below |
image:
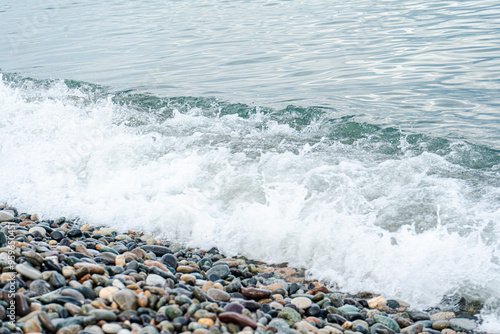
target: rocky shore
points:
(66, 278)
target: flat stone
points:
(238, 319)
(218, 294)
(73, 309)
(93, 268)
(414, 329)
(158, 250)
(280, 325)
(34, 258)
(39, 287)
(252, 305)
(73, 293)
(57, 280)
(348, 308)
(155, 280)
(28, 271)
(46, 322)
(386, 321)
(126, 299)
(462, 325)
(71, 329)
(111, 328)
(440, 324)
(234, 307)
(255, 293)
(221, 270)
(185, 269)
(37, 229)
(169, 260)
(302, 302)
(188, 278)
(106, 315)
(276, 306)
(6, 216)
(379, 328)
(148, 330)
(442, 316)
(107, 292)
(418, 315)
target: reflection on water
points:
(430, 67)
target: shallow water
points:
(360, 141)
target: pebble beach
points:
(66, 277)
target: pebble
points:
(111, 328)
(222, 271)
(28, 271)
(125, 299)
(6, 216)
(218, 294)
(255, 293)
(302, 302)
(462, 325)
(74, 278)
(107, 292)
(237, 318)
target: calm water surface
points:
(427, 66)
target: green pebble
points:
(193, 308)
(252, 268)
(167, 326)
(386, 321)
(181, 300)
(173, 312)
(196, 325)
(103, 249)
(348, 308)
(290, 315)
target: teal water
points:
(360, 141)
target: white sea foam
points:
(408, 225)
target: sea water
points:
(358, 141)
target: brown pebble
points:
(120, 260)
(157, 264)
(318, 289)
(142, 300)
(185, 269)
(93, 268)
(139, 253)
(255, 293)
(237, 318)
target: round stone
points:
(6, 216)
(155, 280)
(218, 294)
(189, 279)
(221, 270)
(111, 328)
(169, 260)
(107, 292)
(125, 299)
(28, 271)
(302, 302)
(38, 229)
(39, 287)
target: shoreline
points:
(65, 277)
